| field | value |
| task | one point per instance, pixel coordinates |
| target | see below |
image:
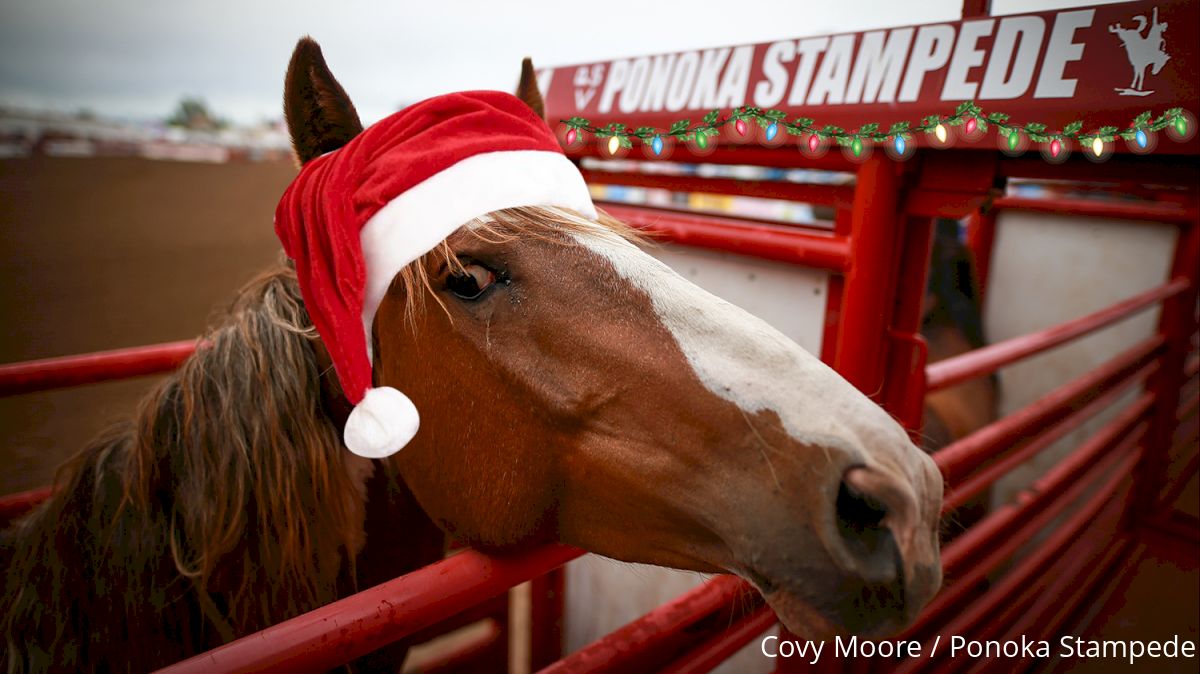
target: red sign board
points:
(1102, 65)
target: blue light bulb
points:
(657, 145)
(1141, 138)
(772, 130)
(900, 145)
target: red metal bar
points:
(1064, 597)
(981, 615)
(1082, 569)
(769, 242)
(904, 384)
(349, 628)
(960, 493)
(969, 558)
(988, 359)
(546, 609)
(13, 506)
(964, 551)
(1007, 599)
(1129, 170)
(787, 157)
(867, 299)
(981, 237)
(90, 368)
(1152, 211)
(822, 195)
(623, 649)
(1176, 324)
(967, 454)
(718, 649)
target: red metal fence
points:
(1090, 507)
(877, 251)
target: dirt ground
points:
(103, 253)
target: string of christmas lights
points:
(971, 121)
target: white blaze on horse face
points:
(742, 359)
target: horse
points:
(952, 324)
(573, 389)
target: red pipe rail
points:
(959, 493)
(1151, 211)
(960, 458)
(621, 649)
(839, 196)
(91, 368)
(981, 615)
(862, 249)
(988, 359)
(349, 628)
(718, 649)
(770, 242)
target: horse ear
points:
(527, 88)
(320, 116)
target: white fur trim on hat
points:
(381, 424)
(411, 224)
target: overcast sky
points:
(136, 58)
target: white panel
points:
(789, 297)
(1050, 268)
(602, 594)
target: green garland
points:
(710, 125)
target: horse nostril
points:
(857, 511)
(864, 524)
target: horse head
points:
(573, 388)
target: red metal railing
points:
(337, 633)
(874, 253)
(90, 368)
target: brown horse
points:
(573, 389)
(953, 325)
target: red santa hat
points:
(353, 218)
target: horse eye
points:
(471, 282)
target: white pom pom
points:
(381, 424)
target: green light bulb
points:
(1012, 140)
(1181, 125)
(856, 146)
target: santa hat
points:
(353, 218)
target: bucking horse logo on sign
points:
(1143, 51)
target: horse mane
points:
(227, 503)
(223, 506)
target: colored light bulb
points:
(1097, 146)
(571, 136)
(856, 146)
(740, 125)
(939, 132)
(1013, 139)
(1055, 147)
(814, 142)
(657, 145)
(1181, 125)
(701, 140)
(900, 145)
(1141, 138)
(614, 144)
(970, 125)
(773, 129)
